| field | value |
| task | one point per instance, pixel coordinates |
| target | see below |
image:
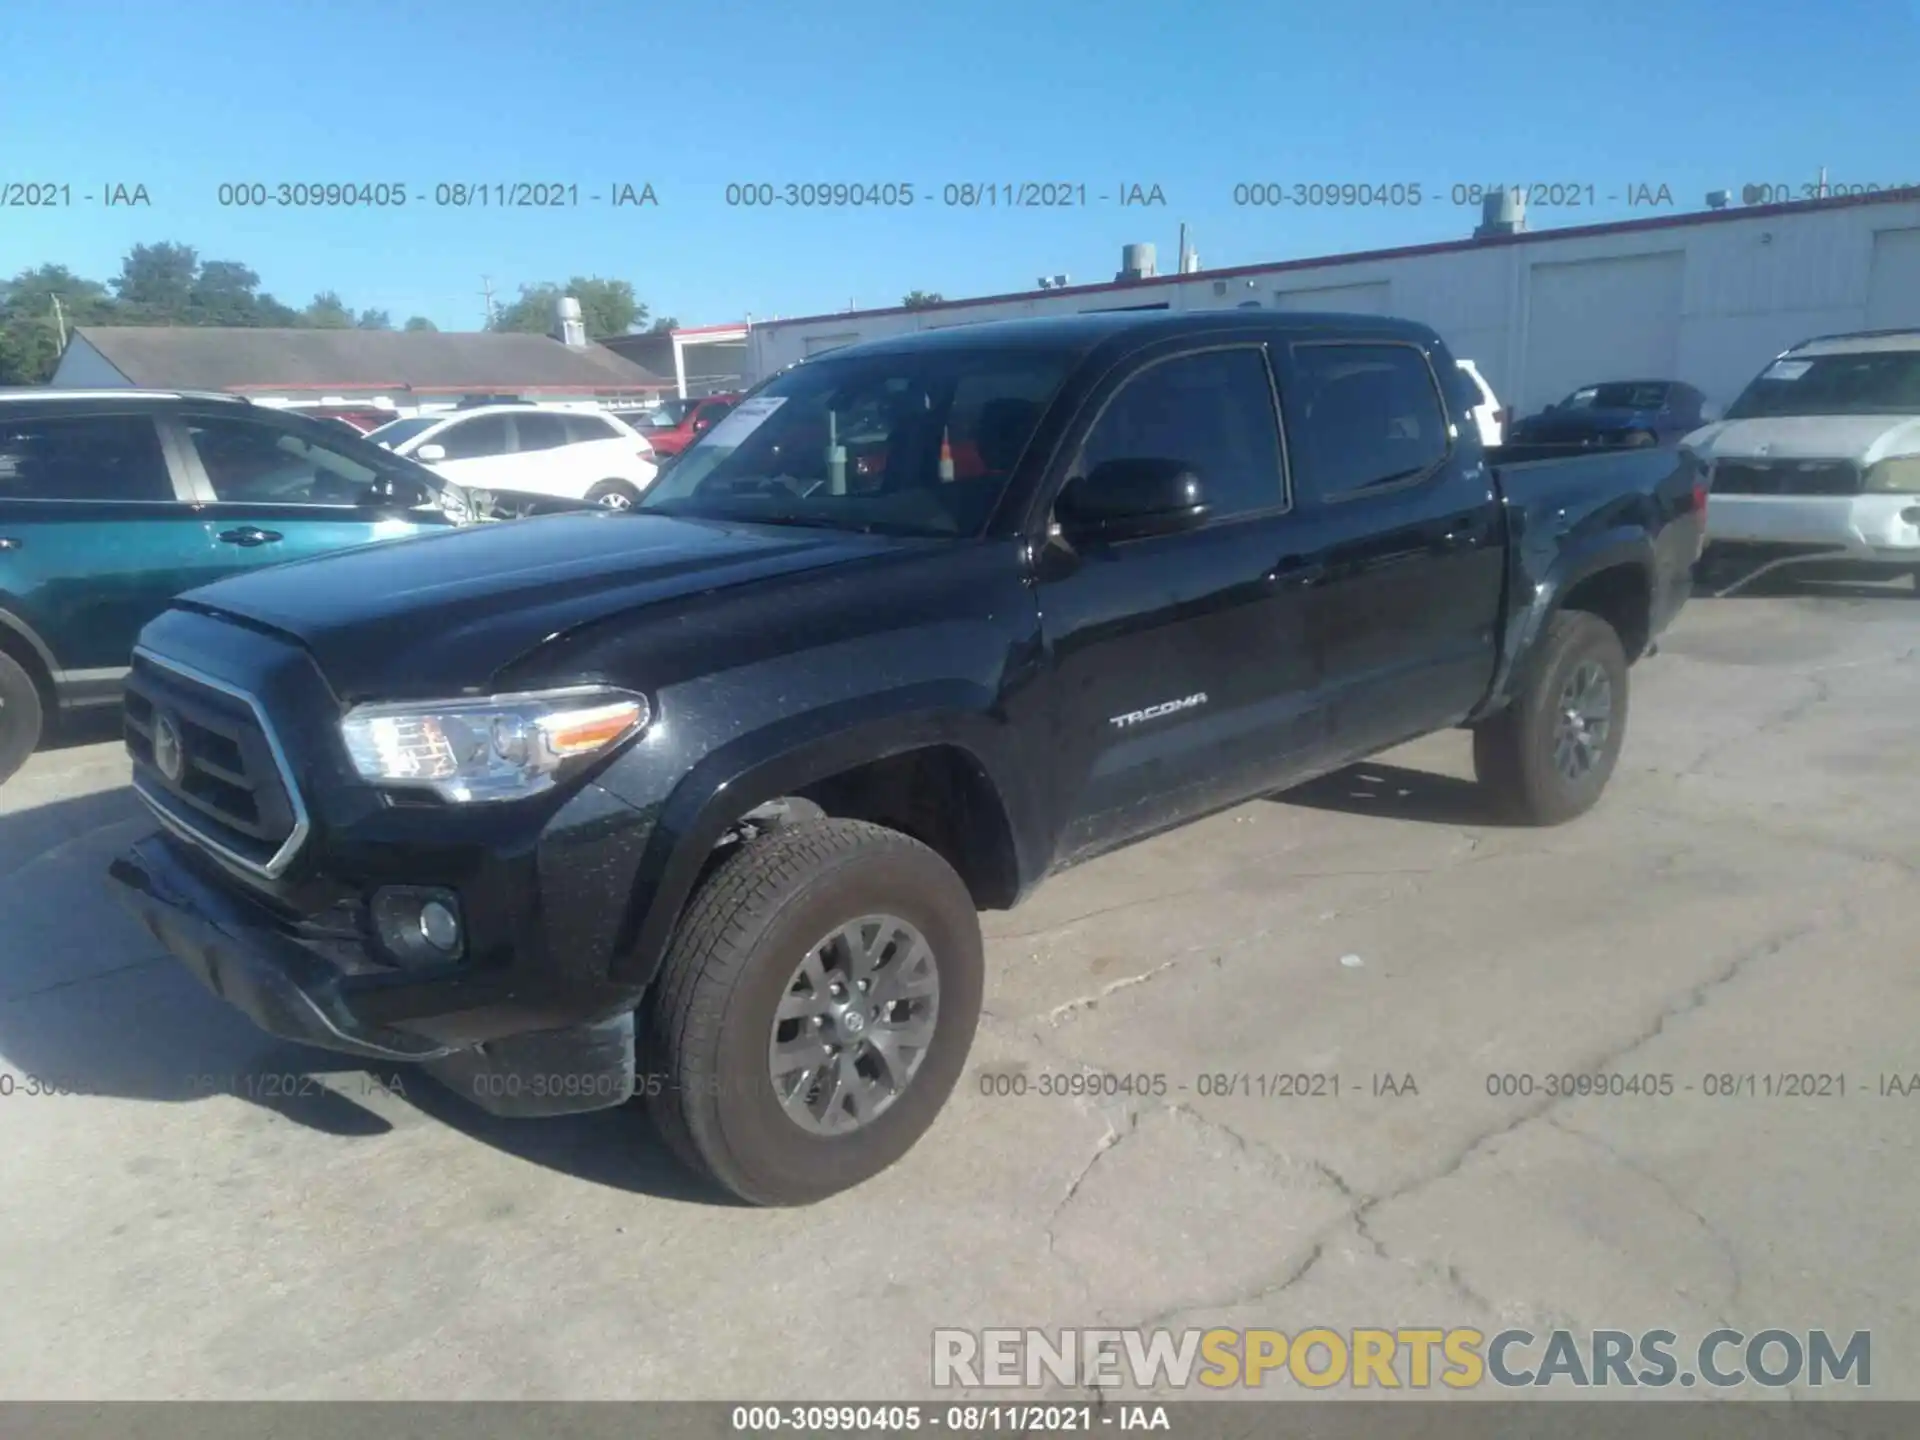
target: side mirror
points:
(430, 454)
(1132, 499)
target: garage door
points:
(1370, 299)
(1893, 293)
(1594, 320)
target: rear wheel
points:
(21, 716)
(614, 494)
(1549, 754)
(814, 1010)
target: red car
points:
(678, 423)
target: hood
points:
(1862, 439)
(441, 614)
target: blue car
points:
(1619, 413)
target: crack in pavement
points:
(1736, 1277)
(74, 980)
(1360, 1214)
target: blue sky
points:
(183, 96)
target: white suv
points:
(529, 449)
(1820, 456)
(1488, 416)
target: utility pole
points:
(486, 289)
(60, 321)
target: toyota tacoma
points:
(697, 804)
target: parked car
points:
(746, 760)
(1620, 412)
(112, 502)
(1489, 416)
(569, 454)
(678, 423)
(1819, 458)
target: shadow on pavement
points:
(1743, 578)
(90, 1005)
(1393, 792)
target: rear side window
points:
(92, 457)
(475, 439)
(584, 428)
(1213, 411)
(1372, 417)
(538, 432)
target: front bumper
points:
(549, 1062)
(1880, 528)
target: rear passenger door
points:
(97, 533)
(1182, 678)
(1402, 620)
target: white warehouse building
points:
(1707, 298)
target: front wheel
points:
(614, 495)
(814, 1010)
(1547, 756)
(21, 716)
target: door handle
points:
(249, 535)
(1458, 533)
(1296, 573)
(7, 542)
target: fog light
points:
(439, 927)
(416, 925)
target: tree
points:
(373, 320)
(158, 280)
(328, 312)
(663, 326)
(921, 299)
(419, 322)
(607, 307)
(29, 331)
(223, 294)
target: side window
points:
(1212, 410)
(1371, 417)
(581, 429)
(252, 463)
(94, 457)
(534, 431)
(478, 439)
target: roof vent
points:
(1502, 212)
(1136, 262)
(569, 328)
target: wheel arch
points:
(932, 775)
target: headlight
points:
(502, 747)
(1897, 476)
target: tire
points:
(22, 717)
(709, 1025)
(614, 494)
(1517, 753)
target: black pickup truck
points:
(698, 802)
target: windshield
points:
(670, 413)
(396, 433)
(921, 443)
(1880, 382)
(1617, 397)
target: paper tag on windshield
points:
(745, 418)
(1788, 369)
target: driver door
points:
(272, 494)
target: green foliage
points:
(607, 307)
(418, 323)
(921, 299)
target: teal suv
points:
(113, 502)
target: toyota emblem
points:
(169, 754)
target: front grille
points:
(1786, 477)
(227, 786)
